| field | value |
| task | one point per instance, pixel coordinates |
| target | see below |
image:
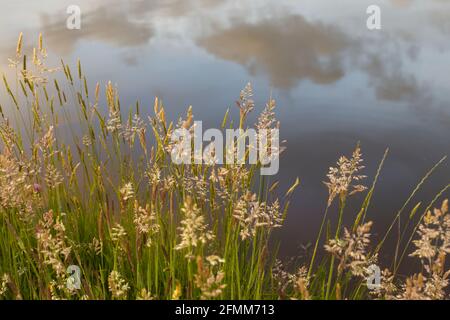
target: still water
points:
(335, 82)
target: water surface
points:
(335, 82)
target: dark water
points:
(335, 82)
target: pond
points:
(336, 83)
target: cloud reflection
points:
(292, 49)
(107, 24)
(389, 81)
(288, 49)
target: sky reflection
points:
(335, 82)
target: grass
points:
(99, 191)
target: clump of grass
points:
(109, 200)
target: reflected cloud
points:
(441, 20)
(396, 87)
(289, 49)
(390, 83)
(108, 24)
(402, 3)
(407, 3)
(293, 49)
(171, 8)
(285, 47)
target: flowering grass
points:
(109, 200)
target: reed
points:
(95, 187)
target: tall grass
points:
(98, 190)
